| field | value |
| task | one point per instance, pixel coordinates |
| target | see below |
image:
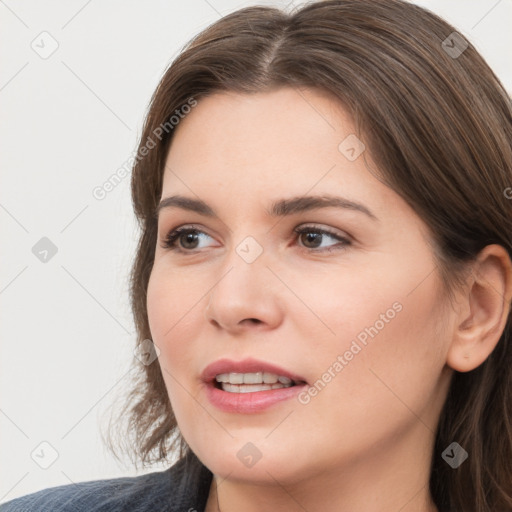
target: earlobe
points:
(484, 312)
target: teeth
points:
(251, 388)
(253, 378)
(236, 378)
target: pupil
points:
(313, 237)
(190, 238)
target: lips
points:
(246, 366)
(251, 399)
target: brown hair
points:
(438, 125)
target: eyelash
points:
(172, 237)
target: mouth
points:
(253, 382)
(249, 386)
(241, 376)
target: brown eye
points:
(189, 240)
(313, 237)
(184, 239)
(311, 240)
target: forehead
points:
(253, 120)
(274, 137)
(243, 152)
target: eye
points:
(187, 239)
(313, 238)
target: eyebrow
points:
(281, 208)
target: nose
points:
(246, 296)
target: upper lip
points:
(249, 365)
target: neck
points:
(258, 500)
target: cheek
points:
(173, 309)
(173, 305)
(386, 348)
(396, 371)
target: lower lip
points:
(247, 403)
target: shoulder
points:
(182, 485)
(97, 496)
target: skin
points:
(364, 442)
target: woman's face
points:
(351, 308)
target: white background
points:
(69, 122)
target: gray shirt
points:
(184, 487)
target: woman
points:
(324, 271)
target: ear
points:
(484, 310)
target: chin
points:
(251, 462)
